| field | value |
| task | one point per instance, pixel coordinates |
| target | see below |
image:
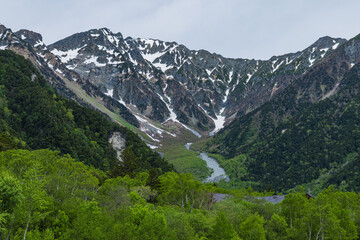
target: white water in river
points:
(218, 172)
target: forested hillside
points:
(309, 132)
(48, 196)
(33, 116)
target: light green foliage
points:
(276, 228)
(223, 229)
(148, 223)
(88, 223)
(10, 197)
(37, 204)
(10, 192)
(183, 190)
(235, 211)
(179, 224)
(48, 196)
(291, 207)
(253, 228)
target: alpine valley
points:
(265, 121)
(105, 137)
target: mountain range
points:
(250, 105)
(163, 81)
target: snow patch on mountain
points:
(152, 146)
(231, 73)
(67, 55)
(324, 50)
(250, 76)
(162, 66)
(113, 39)
(335, 46)
(93, 59)
(151, 56)
(173, 116)
(71, 67)
(39, 43)
(276, 67)
(154, 128)
(50, 66)
(219, 122)
(311, 60)
(110, 92)
(59, 71)
(220, 118)
(287, 61)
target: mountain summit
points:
(165, 82)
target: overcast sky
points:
(255, 29)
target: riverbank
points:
(218, 173)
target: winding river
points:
(218, 173)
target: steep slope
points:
(210, 90)
(117, 67)
(232, 85)
(34, 116)
(306, 129)
(68, 83)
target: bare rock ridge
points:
(206, 87)
(162, 81)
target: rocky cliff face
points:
(203, 90)
(165, 81)
(118, 141)
(118, 67)
(316, 84)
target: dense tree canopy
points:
(44, 195)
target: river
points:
(218, 172)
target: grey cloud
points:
(234, 28)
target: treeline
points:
(271, 150)
(33, 116)
(44, 195)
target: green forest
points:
(48, 196)
(60, 178)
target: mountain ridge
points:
(59, 77)
(167, 83)
(209, 87)
(286, 133)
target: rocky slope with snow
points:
(64, 80)
(306, 134)
(164, 82)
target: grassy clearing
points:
(187, 161)
(199, 145)
(94, 102)
(184, 160)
